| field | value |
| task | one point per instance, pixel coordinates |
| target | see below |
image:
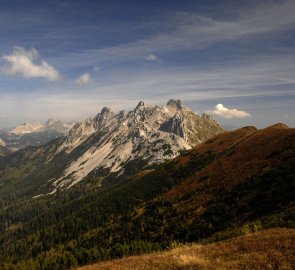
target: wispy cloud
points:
(195, 31)
(222, 111)
(152, 58)
(28, 64)
(83, 79)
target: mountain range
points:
(109, 145)
(33, 134)
(126, 183)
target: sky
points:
(67, 59)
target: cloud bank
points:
(83, 79)
(28, 64)
(222, 111)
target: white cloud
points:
(153, 58)
(29, 65)
(222, 111)
(83, 79)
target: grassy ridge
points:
(267, 249)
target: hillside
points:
(235, 180)
(268, 249)
(3, 151)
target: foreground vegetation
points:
(267, 249)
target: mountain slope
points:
(3, 151)
(145, 136)
(249, 174)
(111, 144)
(236, 182)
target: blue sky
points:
(68, 59)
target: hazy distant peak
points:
(51, 121)
(27, 127)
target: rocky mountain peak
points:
(148, 134)
(140, 104)
(104, 116)
(121, 115)
(106, 111)
(175, 103)
(51, 121)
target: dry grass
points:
(268, 249)
(253, 153)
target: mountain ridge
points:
(148, 134)
(177, 201)
(109, 145)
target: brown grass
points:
(268, 249)
(252, 153)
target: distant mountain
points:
(52, 124)
(33, 134)
(27, 128)
(57, 126)
(234, 183)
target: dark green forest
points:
(146, 212)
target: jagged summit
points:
(140, 104)
(51, 121)
(175, 103)
(106, 111)
(115, 142)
